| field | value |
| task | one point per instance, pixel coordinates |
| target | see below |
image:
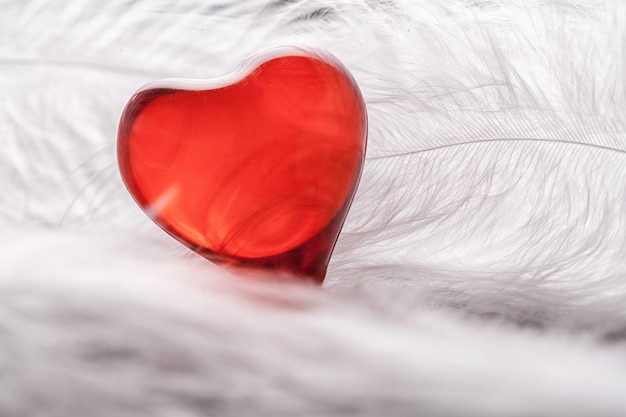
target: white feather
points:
(481, 270)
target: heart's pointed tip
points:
(289, 267)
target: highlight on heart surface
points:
(257, 169)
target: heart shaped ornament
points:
(257, 169)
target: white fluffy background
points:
(481, 271)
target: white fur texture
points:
(481, 271)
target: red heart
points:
(258, 170)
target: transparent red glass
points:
(258, 169)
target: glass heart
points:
(257, 169)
